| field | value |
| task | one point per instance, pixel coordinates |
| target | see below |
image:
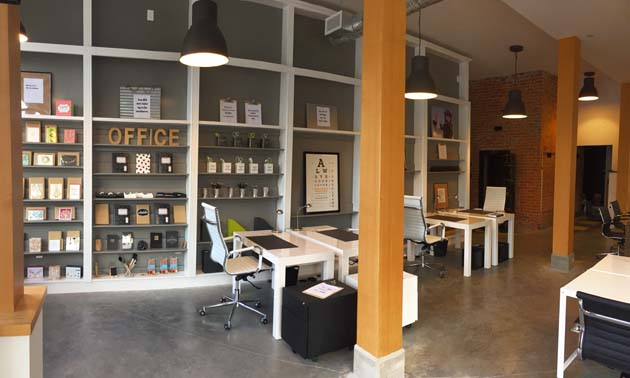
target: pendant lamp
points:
(515, 108)
(420, 84)
(588, 91)
(23, 35)
(204, 44)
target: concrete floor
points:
(498, 323)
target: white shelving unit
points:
(288, 73)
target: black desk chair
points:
(608, 233)
(618, 216)
(604, 330)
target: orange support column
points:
(569, 63)
(623, 165)
(379, 352)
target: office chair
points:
(604, 329)
(618, 215)
(235, 265)
(416, 232)
(608, 233)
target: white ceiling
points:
(484, 29)
(602, 25)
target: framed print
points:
(253, 113)
(35, 214)
(321, 117)
(321, 182)
(68, 159)
(36, 92)
(441, 123)
(442, 151)
(36, 188)
(35, 272)
(33, 132)
(64, 213)
(55, 188)
(26, 158)
(46, 159)
(140, 102)
(51, 133)
(440, 196)
(228, 110)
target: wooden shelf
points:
(240, 148)
(52, 118)
(329, 132)
(53, 253)
(131, 251)
(142, 121)
(448, 140)
(238, 125)
(140, 276)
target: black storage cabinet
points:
(313, 326)
(477, 257)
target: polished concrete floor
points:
(498, 323)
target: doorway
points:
(497, 168)
(593, 166)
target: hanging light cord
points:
(515, 66)
(419, 26)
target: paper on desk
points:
(322, 290)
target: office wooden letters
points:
(143, 136)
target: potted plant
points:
(264, 141)
(236, 139)
(241, 187)
(250, 139)
(255, 191)
(217, 138)
(216, 187)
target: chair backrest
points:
(605, 331)
(212, 221)
(495, 198)
(605, 216)
(616, 209)
(415, 225)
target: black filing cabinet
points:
(313, 326)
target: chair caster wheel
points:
(202, 313)
(222, 300)
(227, 326)
(264, 321)
(258, 305)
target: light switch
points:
(150, 15)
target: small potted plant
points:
(250, 139)
(217, 138)
(265, 191)
(211, 165)
(255, 191)
(236, 139)
(230, 192)
(264, 141)
(216, 187)
(241, 188)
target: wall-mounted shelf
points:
(112, 174)
(241, 174)
(52, 222)
(61, 201)
(449, 140)
(444, 172)
(127, 226)
(53, 167)
(140, 276)
(324, 131)
(240, 198)
(52, 118)
(253, 149)
(237, 125)
(131, 251)
(65, 146)
(155, 199)
(105, 147)
(46, 280)
(53, 253)
(142, 121)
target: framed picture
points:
(441, 123)
(33, 132)
(321, 117)
(321, 182)
(34, 214)
(26, 158)
(46, 159)
(140, 102)
(36, 92)
(442, 151)
(64, 213)
(69, 159)
(440, 196)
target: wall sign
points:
(321, 176)
(143, 136)
(228, 110)
(253, 113)
(321, 117)
(36, 92)
(140, 102)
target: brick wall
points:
(529, 139)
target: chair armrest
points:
(239, 251)
(353, 229)
(442, 226)
(228, 238)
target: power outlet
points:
(150, 15)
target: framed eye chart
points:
(321, 182)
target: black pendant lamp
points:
(588, 91)
(515, 108)
(204, 44)
(420, 84)
(23, 35)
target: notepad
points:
(322, 290)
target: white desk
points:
(467, 224)
(306, 252)
(343, 250)
(605, 282)
(496, 222)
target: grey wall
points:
(313, 51)
(67, 75)
(112, 73)
(240, 84)
(445, 74)
(314, 91)
(53, 21)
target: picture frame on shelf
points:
(37, 92)
(70, 136)
(69, 159)
(253, 113)
(55, 188)
(27, 158)
(442, 151)
(33, 132)
(36, 188)
(35, 272)
(440, 196)
(441, 123)
(35, 214)
(64, 108)
(44, 159)
(64, 213)
(321, 182)
(51, 133)
(321, 117)
(34, 245)
(228, 110)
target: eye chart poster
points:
(322, 182)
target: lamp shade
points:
(588, 91)
(420, 84)
(23, 35)
(204, 44)
(515, 108)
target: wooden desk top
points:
(22, 321)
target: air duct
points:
(344, 27)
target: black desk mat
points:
(342, 235)
(477, 211)
(446, 218)
(271, 242)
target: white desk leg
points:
(411, 253)
(511, 236)
(328, 269)
(495, 242)
(458, 239)
(344, 268)
(279, 276)
(467, 252)
(489, 245)
(562, 318)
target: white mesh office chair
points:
(233, 263)
(416, 232)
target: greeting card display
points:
(35, 245)
(172, 239)
(33, 132)
(55, 188)
(163, 213)
(73, 190)
(54, 272)
(35, 272)
(156, 240)
(143, 163)
(64, 213)
(122, 214)
(64, 108)
(36, 188)
(69, 136)
(120, 163)
(55, 241)
(165, 162)
(74, 272)
(73, 240)
(69, 159)
(51, 133)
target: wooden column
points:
(381, 186)
(623, 165)
(11, 228)
(569, 63)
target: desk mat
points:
(343, 235)
(445, 218)
(271, 242)
(476, 211)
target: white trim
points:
(52, 48)
(233, 124)
(452, 100)
(257, 65)
(326, 76)
(54, 117)
(135, 54)
(324, 131)
(142, 121)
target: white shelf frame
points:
(288, 73)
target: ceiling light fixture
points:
(23, 35)
(204, 44)
(588, 91)
(420, 84)
(515, 108)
